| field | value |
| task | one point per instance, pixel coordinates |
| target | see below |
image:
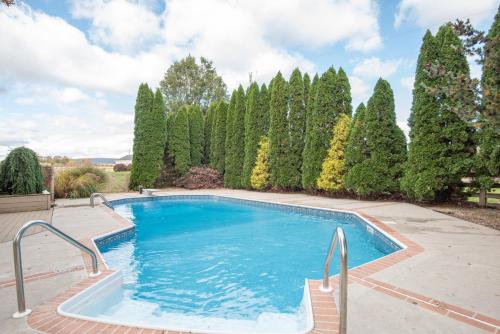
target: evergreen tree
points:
(264, 100)
(297, 127)
(334, 166)
(208, 129)
(234, 163)
(309, 109)
(149, 138)
(321, 124)
(181, 140)
(342, 94)
(307, 88)
(229, 136)
(21, 173)
(260, 173)
(441, 146)
(219, 137)
(279, 138)
(356, 150)
(386, 144)
(196, 135)
(252, 132)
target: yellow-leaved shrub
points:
(260, 173)
(333, 168)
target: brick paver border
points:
(45, 318)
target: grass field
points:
(117, 182)
(475, 199)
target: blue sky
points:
(70, 69)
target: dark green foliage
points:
(356, 149)
(297, 127)
(21, 173)
(309, 109)
(279, 138)
(208, 126)
(264, 100)
(187, 82)
(217, 160)
(253, 131)
(386, 145)
(307, 88)
(196, 135)
(318, 136)
(490, 80)
(441, 143)
(179, 142)
(235, 154)
(342, 94)
(149, 138)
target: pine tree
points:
(356, 150)
(195, 135)
(252, 132)
(334, 166)
(234, 163)
(219, 137)
(297, 127)
(441, 146)
(279, 138)
(386, 144)
(322, 119)
(149, 138)
(259, 178)
(208, 126)
(180, 142)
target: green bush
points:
(79, 182)
(21, 173)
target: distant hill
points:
(99, 161)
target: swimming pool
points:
(211, 263)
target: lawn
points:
(117, 182)
(475, 199)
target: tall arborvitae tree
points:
(297, 127)
(309, 110)
(386, 144)
(356, 149)
(219, 137)
(180, 142)
(441, 147)
(307, 88)
(196, 135)
(321, 124)
(264, 100)
(253, 132)
(236, 153)
(342, 94)
(229, 133)
(260, 173)
(168, 174)
(149, 138)
(334, 166)
(279, 137)
(208, 126)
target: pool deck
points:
(446, 281)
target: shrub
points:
(79, 182)
(21, 173)
(200, 178)
(260, 173)
(122, 167)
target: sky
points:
(69, 70)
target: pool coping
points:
(45, 317)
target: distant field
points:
(117, 182)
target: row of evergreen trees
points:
(303, 135)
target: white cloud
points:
(120, 24)
(431, 13)
(374, 67)
(360, 90)
(25, 101)
(407, 82)
(70, 95)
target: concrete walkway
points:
(459, 268)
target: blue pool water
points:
(229, 259)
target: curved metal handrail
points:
(18, 263)
(105, 201)
(338, 237)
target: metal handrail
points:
(338, 237)
(105, 201)
(18, 263)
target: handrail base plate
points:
(18, 315)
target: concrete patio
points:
(452, 286)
